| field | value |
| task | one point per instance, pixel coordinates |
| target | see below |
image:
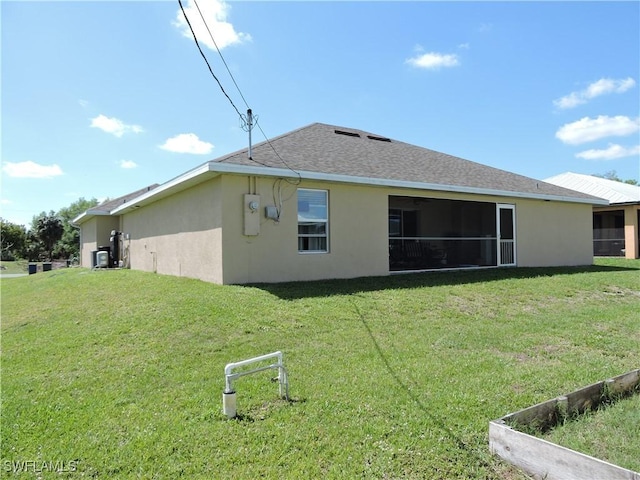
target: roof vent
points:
(380, 139)
(348, 134)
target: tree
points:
(34, 248)
(48, 229)
(13, 239)
(612, 175)
(44, 239)
(69, 244)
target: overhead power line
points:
(220, 53)
(247, 122)
(205, 58)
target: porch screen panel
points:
(445, 233)
(608, 233)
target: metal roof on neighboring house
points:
(614, 192)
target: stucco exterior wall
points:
(632, 231)
(551, 234)
(358, 239)
(88, 241)
(547, 233)
(178, 235)
(94, 233)
(182, 234)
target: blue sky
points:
(103, 98)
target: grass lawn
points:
(119, 374)
(607, 433)
(19, 266)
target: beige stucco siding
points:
(95, 233)
(178, 235)
(631, 231)
(88, 241)
(358, 243)
(182, 234)
(553, 233)
(547, 233)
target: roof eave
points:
(214, 168)
(624, 204)
(182, 182)
(281, 172)
(87, 215)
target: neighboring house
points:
(616, 229)
(326, 202)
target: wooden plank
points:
(540, 417)
(585, 399)
(625, 383)
(545, 460)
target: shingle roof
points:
(109, 205)
(615, 192)
(105, 207)
(337, 150)
(337, 154)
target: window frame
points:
(324, 221)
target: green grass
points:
(396, 377)
(609, 433)
(18, 266)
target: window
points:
(313, 220)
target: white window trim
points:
(326, 221)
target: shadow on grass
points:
(260, 413)
(436, 420)
(327, 288)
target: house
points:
(97, 223)
(326, 202)
(616, 229)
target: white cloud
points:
(612, 152)
(215, 13)
(187, 143)
(31, 169)
(128, 164)
(433, 61)
(114, 126)
(4, 201)
(589, 129)
(601, 87)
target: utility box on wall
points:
(251, 215)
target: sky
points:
(99, 99)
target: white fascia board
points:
(328, 177)
(192, 177)
(211, 169)
(86, 215)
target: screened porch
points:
(430, 233)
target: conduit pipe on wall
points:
(229, 394)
